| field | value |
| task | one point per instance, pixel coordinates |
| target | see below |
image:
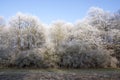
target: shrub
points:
(30, 58)
(75, 55)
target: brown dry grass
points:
(59, 74)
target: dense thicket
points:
(93, 42)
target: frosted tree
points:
(58, 32)
(108, 24)
(99, 18)
(83, 48)
(115, 32)
(4, 44)
(27, 30)
(27, 40)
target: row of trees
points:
(93, 42)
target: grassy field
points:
(59, 74)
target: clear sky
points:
(51, 10)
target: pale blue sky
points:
(51, 10)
